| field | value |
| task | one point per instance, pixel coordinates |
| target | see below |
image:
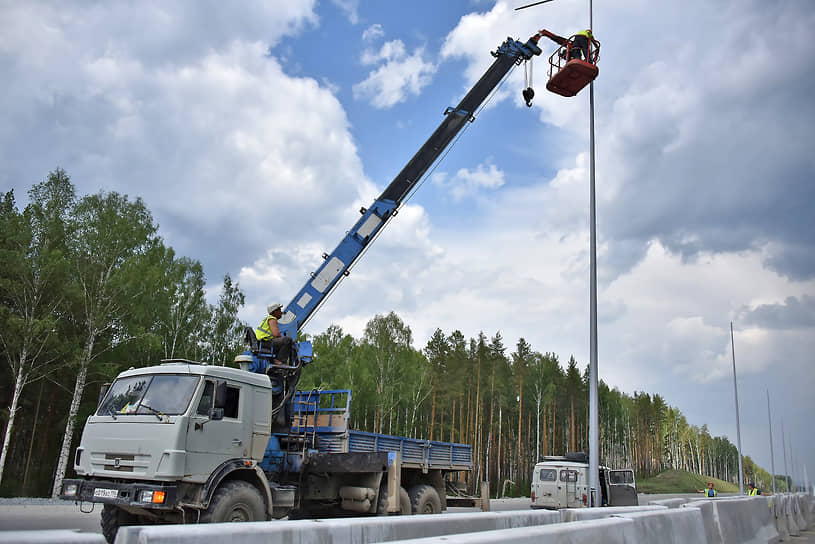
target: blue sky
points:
(255, 131)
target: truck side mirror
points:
(102, 392)
(220, 396)
(216, 414)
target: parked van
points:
(562, 482)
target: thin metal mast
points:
(594, 442)
(772, 455)
(736, 394)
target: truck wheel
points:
(235, 501)
(404, 503)
(424, 499)
(114, 517)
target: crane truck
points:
(184, 442)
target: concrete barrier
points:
(337, 531)
(56, 536)
(607, 531)
(671, 526)
(669, 503)
(789, 513)
(708, 519)
(743, 520)
(780, 517)
(800, 517)
(581, 514)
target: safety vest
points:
(710, 493)
(754, 492)
(264, 332)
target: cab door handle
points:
(236, 442)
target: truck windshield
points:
(158, 394)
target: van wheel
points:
(424, 499)
(235, 501)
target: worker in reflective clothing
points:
(709, 492)
(580, 43)
(268, 331)
(753, 490)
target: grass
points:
(679, 481)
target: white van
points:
(562, 482)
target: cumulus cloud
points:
(398, 74)
(373, 32)
(792, 313)
(350, 8)
(466, 183)
(200, 131)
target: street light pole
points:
(736, 393)
(786, 470)
(594, 441)
(772, 455)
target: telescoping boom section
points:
(373, 219)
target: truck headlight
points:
(69, 490)
(155, 497)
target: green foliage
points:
(681, 481)
(88, 289)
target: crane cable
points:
(410, 194)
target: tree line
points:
(513, 405)
(88, 289)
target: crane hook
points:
(528, 95)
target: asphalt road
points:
(65, 515)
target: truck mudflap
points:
(134, 494)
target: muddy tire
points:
(235, 501)
(405, 509)
(382, 502)
(424, 499)
(114, 517)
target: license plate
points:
(105, 493)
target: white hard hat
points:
(272, 307)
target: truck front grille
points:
(119, 462)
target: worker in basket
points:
(579, 48)
(581, 53)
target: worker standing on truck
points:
(753, 490)
(268, 331)
(709, 492)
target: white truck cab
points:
(562, 482)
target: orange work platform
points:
(572, 77)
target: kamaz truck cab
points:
(165, 438)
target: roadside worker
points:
(268, 331)
(580, 43)
(753, 490)
(709, 492)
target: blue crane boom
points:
(338, 262)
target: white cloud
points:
(373, 32)
(350, 8)
(398, 76)
(468, 183)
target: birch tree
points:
(33, 270)
(114, 245)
